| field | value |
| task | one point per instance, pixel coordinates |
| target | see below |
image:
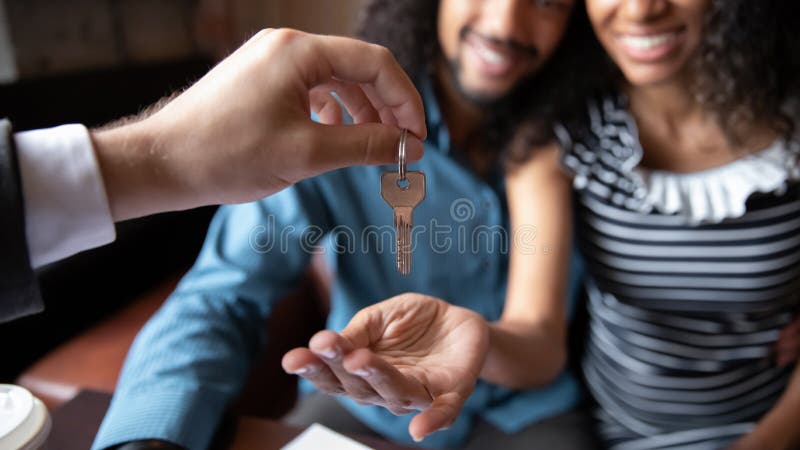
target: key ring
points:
(401, 158)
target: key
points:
(403, 197)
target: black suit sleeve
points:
(19, 290)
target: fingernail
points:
(303, 370)
(363, 372)
(416, 439)
(414, 149)
(329, 353)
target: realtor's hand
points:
(409, 353)
(244, 130)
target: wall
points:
(8, 64)
(50, 37)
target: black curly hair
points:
(578, 68)
(747, 69)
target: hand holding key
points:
(409, 353)
(244, 130)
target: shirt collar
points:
(438, 134)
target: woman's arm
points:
(778, 429)
(528, 344)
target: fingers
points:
(398, 391)
(365, 327)
(340, 146)
(385, 111)
(388, 87)
(304, 363)
(351, 96)
(331, 348)
(442, 413)
(325, 106)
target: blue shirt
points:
(192, 358)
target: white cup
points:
(24, 420)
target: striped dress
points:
(691, 277)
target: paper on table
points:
(318, 437)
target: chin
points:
(649, 77)
(477, 89)
(483, 98)
(484, 93)
(655, 73)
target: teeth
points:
(491, 56)
(647, 42)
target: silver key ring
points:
(401, 158)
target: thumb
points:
(362, 145)
(440, 415)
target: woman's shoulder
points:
(600, 149)
(601, 144)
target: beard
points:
(482, 100)
(476, 99)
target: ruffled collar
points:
(721, 193)
(708, 196)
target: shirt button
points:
(485, 264)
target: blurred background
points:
(93, 61)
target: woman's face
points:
(651, 41)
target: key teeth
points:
(407, 249)
(403, 249)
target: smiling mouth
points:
(650, 47)
(490, 55)
(493, 57)
(491, 60)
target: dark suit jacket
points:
(19, 291)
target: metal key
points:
(403, 197)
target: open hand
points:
(409, 353)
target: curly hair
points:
(577, 69)
(746, 69)
(408, 28)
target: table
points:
(76, 422)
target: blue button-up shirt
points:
(192, 358)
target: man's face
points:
(491, 45)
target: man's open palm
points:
(411, 352)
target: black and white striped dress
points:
(691, 277)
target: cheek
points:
(599, 10)
(694, 15)
(694, 11)
(453, 16)
(695, 8)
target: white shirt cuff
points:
(66, 207)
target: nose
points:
(643, 10)
(502, 19)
